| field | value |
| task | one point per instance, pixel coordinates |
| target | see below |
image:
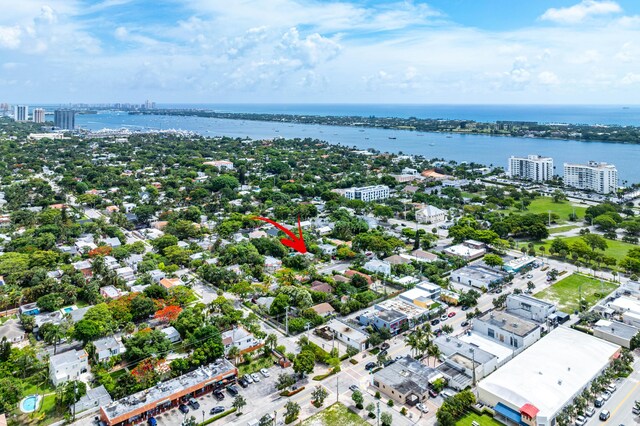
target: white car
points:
(580, 421)
(264, 372)
(606, 395)
(248, 378)
(589, 411)
(255, 377)
(444, 317)
(420, 406)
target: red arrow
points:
(296, 242)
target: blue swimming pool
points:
(29, 404)
(67, 309)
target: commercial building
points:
(532, 167)
(406, 381)
(67, 366)
(625, 304)
(431, 214)
(507, 329)
(464, 363)
(468, 250)
(593, 176)
(368, 193)
(165, 395)
(518, 263)
(477, 276)
(64, 119)
(220, 164)
(615, 332)
(348, 335)
(21, 113)
(534, 387)
(414, 314)
(529, 307)
(38, 115)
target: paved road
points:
(622, 401)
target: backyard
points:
(566, 294)
(335, 415)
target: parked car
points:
(612, 388)
(217, 410)
(248, 378)
(464, 323)
(437, 332)
(636, 408)
(589, 411)
(464, 308)
(183, 408)
(599, 402)
(443, 317)
(420, 406)
(433, 393)
(243, 382)
(354, 388)
(606, 395)
(580, 421)
(451, 314)
(265, 372)
(604, 415)
(384, 346)
(218, 394)
(529, 276)
(383, 353)
(194, 403)
(255, 377)
(370, 366)
(435, 321)
(233, 391)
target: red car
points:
(451, 314)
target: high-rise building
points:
(21, 112)
(593, 176)
(533, 167)
(38, 115)
(64, 119)
(368, 193)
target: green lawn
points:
(616, 249)
(335, 415)
(484, 420)
(255, 366)
(562, 209)
(566, 296)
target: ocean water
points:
(488, 150)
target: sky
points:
(312, 51)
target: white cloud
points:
(581, 11)
(10, 37)
(548, 78)
(311, 50)
(630, 79)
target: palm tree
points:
(41, 377)
(233, 353)
(433, 351)
(303, 341)
(271, 341)
(238, 403)
(412, 341)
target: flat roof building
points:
(406, 381)
(593, 176)
(464, 362)
(507, 329)
(467, 250)
(348, 334)
(477, 276)
(532, 167)
(165, 395)
(368, 193)
(615, 332)
(536, 385)
(529, 307)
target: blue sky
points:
(439, 51)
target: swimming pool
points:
(67, 310)
(30, 403)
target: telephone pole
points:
(286, 320)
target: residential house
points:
(242, 339)
(68, 366)
(106, 348)
(94, 398)
(349, 335)
(172, 334)
(271, 264)
(29, 309)
(350, 273)
(323, 309)
(110, 292)
(321, 287)
(378, 267)
(84, 266)
(170, 282)
(328, 249)
(12, 331)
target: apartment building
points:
(532, 167)
(368, 193)
(593, 176)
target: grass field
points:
(564, 228)
(335, 415)
(616, 249)
(484, 420)
(562, 209)
(566, 296)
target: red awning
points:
(530, 410)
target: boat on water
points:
(432, 144)
(392, 137)
(448, 137)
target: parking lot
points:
(256, 395)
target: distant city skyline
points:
(306, 51)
